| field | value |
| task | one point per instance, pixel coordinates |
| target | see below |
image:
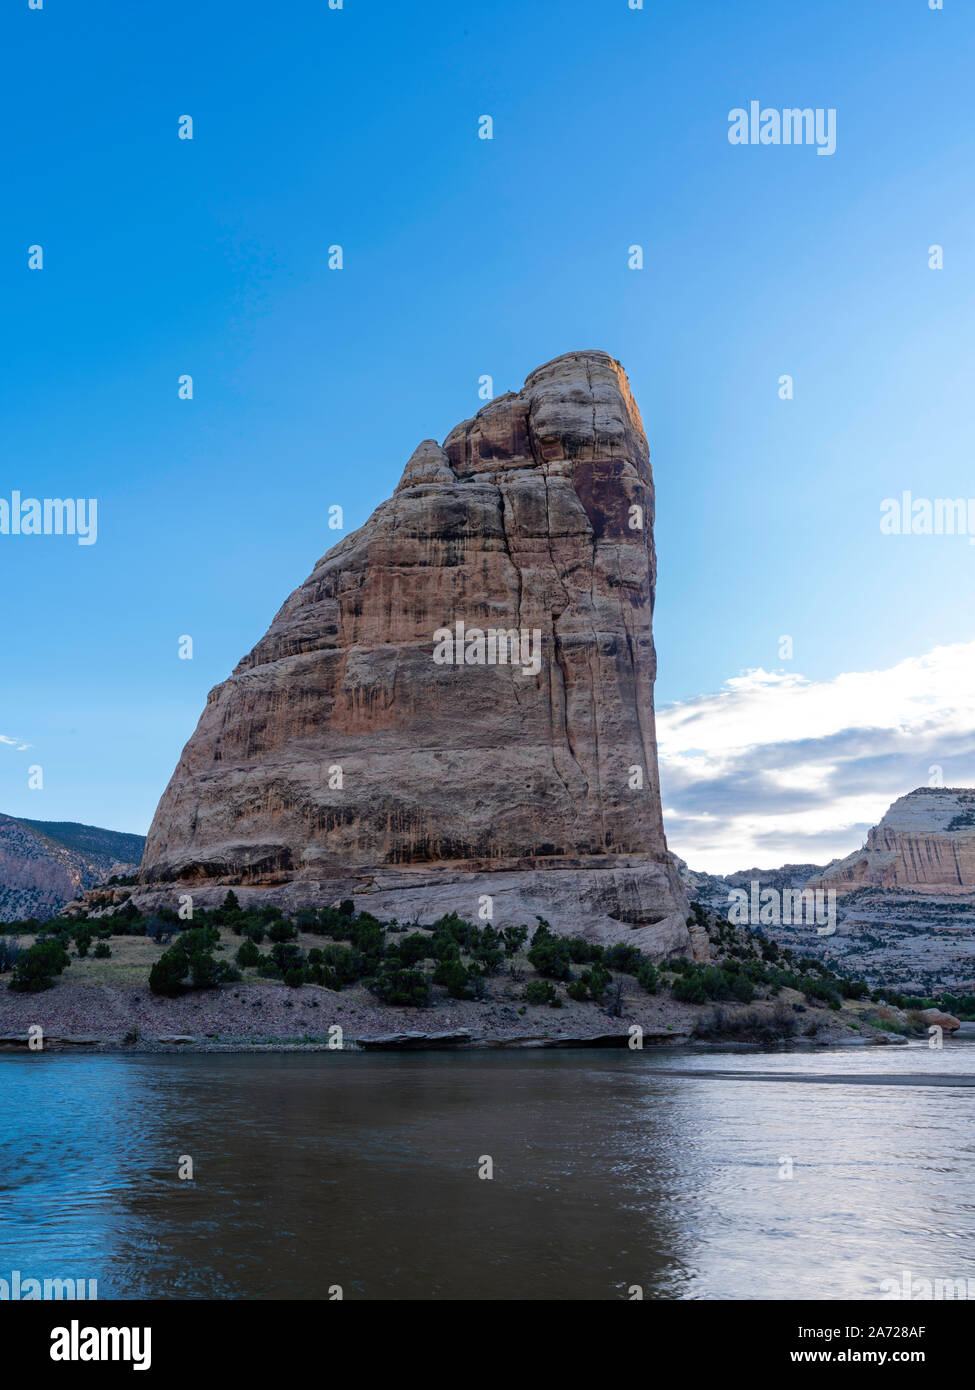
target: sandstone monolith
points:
(454, 712)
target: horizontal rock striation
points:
(458, 701)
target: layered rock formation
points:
(44, 864)
(366, 749)
(924, 844)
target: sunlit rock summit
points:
(925, 843)
(457, 705)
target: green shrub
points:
(102, 950)
(755, 971)
(206, 971)
(688, 989)
(580, 950)
(229, 912)
(488, 952)
(714, 982)
(167, 975)
(280, 931)
(414, 948)
(453, 928)
(287, 955)
(541, 992)
(247, 953)
(855, 989)
(549, 954)
(368, 941)
(742, 989)
(514, 939)
(627, 959)
(648, 978)
(591, 984)
(346, 965)
(820, 989)
(191, 954)
(445, 948)
(455, 979)
(680, 965)
(404, 987)
(200, 938)
(36, 967)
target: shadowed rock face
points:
(342, 759)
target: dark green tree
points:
(36, 967)
(247, 953)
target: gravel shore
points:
(265, 1014)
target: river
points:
(681, 1174)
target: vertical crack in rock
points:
(557, 649)
(502, 512)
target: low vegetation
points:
(409, 966)
(34, 969)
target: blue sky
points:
(463, 257)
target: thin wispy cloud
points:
(775, 768)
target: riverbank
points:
(450, 986)
(267, 1015)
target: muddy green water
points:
(609, 1170)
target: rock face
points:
(43, 864)
(715, 889)
(940, 1019)
(924, 844)
(383, 742)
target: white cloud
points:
(14, 743)
(775, 768)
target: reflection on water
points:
(362, 1170)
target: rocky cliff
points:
(715, 889)
(44, 864)
(458, 701)
(924, 844)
